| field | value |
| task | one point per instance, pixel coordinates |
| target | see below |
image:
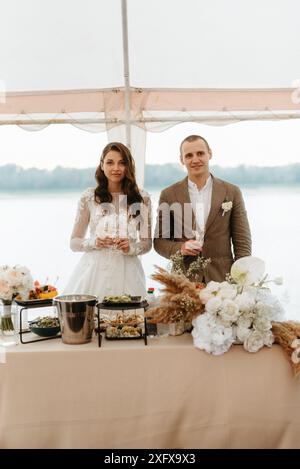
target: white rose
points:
(209, 291)
(262, 323)
(4, 286)
(268, 338)
(5, 290)
(201, 332)
(23, 270)
(222, 339)
(202, 324)
(213, 286)
(270, 307)
(245, 320)
(223, 322)
(219, 334)
(262, 309)
(213, 305)
(229, 311)
(210, 336)
(14, 277)
(205, 295)
(242, 333)
(245, 302)
(227, 292)
(277, 310)
(254, 342)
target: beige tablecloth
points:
(165, 395)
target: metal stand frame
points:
(33, 306)
(143, 305)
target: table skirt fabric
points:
(164, 395)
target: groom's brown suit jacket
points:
(227, 237)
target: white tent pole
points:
(126, 72)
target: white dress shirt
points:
(201, 203)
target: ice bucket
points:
(76, 316)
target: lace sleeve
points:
(78, 241)
(144, 244)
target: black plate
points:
(42, 302)
(124, 338)
(141, 304)
(44, 331)
(131, 303)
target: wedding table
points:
(164, 395)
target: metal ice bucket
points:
(76, 316)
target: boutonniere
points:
(226, 206)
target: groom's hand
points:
(188, 250)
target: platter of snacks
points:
(40, 295)
(121, 319)
(123, 332)
(120, 300)
(127, 319)
(128, 323)
(45, 327)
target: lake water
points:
(35, 231)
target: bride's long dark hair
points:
(129, 185)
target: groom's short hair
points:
(192, 138)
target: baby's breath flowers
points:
(194, 271)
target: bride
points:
(119, 218)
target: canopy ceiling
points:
(102, 64)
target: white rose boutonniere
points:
(226, 206)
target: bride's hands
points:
(120, 243)
(106, 242)
(123, 245)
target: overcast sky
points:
(64, 44)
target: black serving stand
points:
(123, 307)
(32, 304)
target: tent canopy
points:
(137, 65)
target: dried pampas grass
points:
(286, 335)
(175, 283)
(180, 300)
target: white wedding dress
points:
(106, 271)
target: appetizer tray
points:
(123, 333)
(115, 306)
(38, 302)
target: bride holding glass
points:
(118, 215)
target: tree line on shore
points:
(14, 178)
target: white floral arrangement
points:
(239, 310)
(15, 281)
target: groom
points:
(202, 213)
